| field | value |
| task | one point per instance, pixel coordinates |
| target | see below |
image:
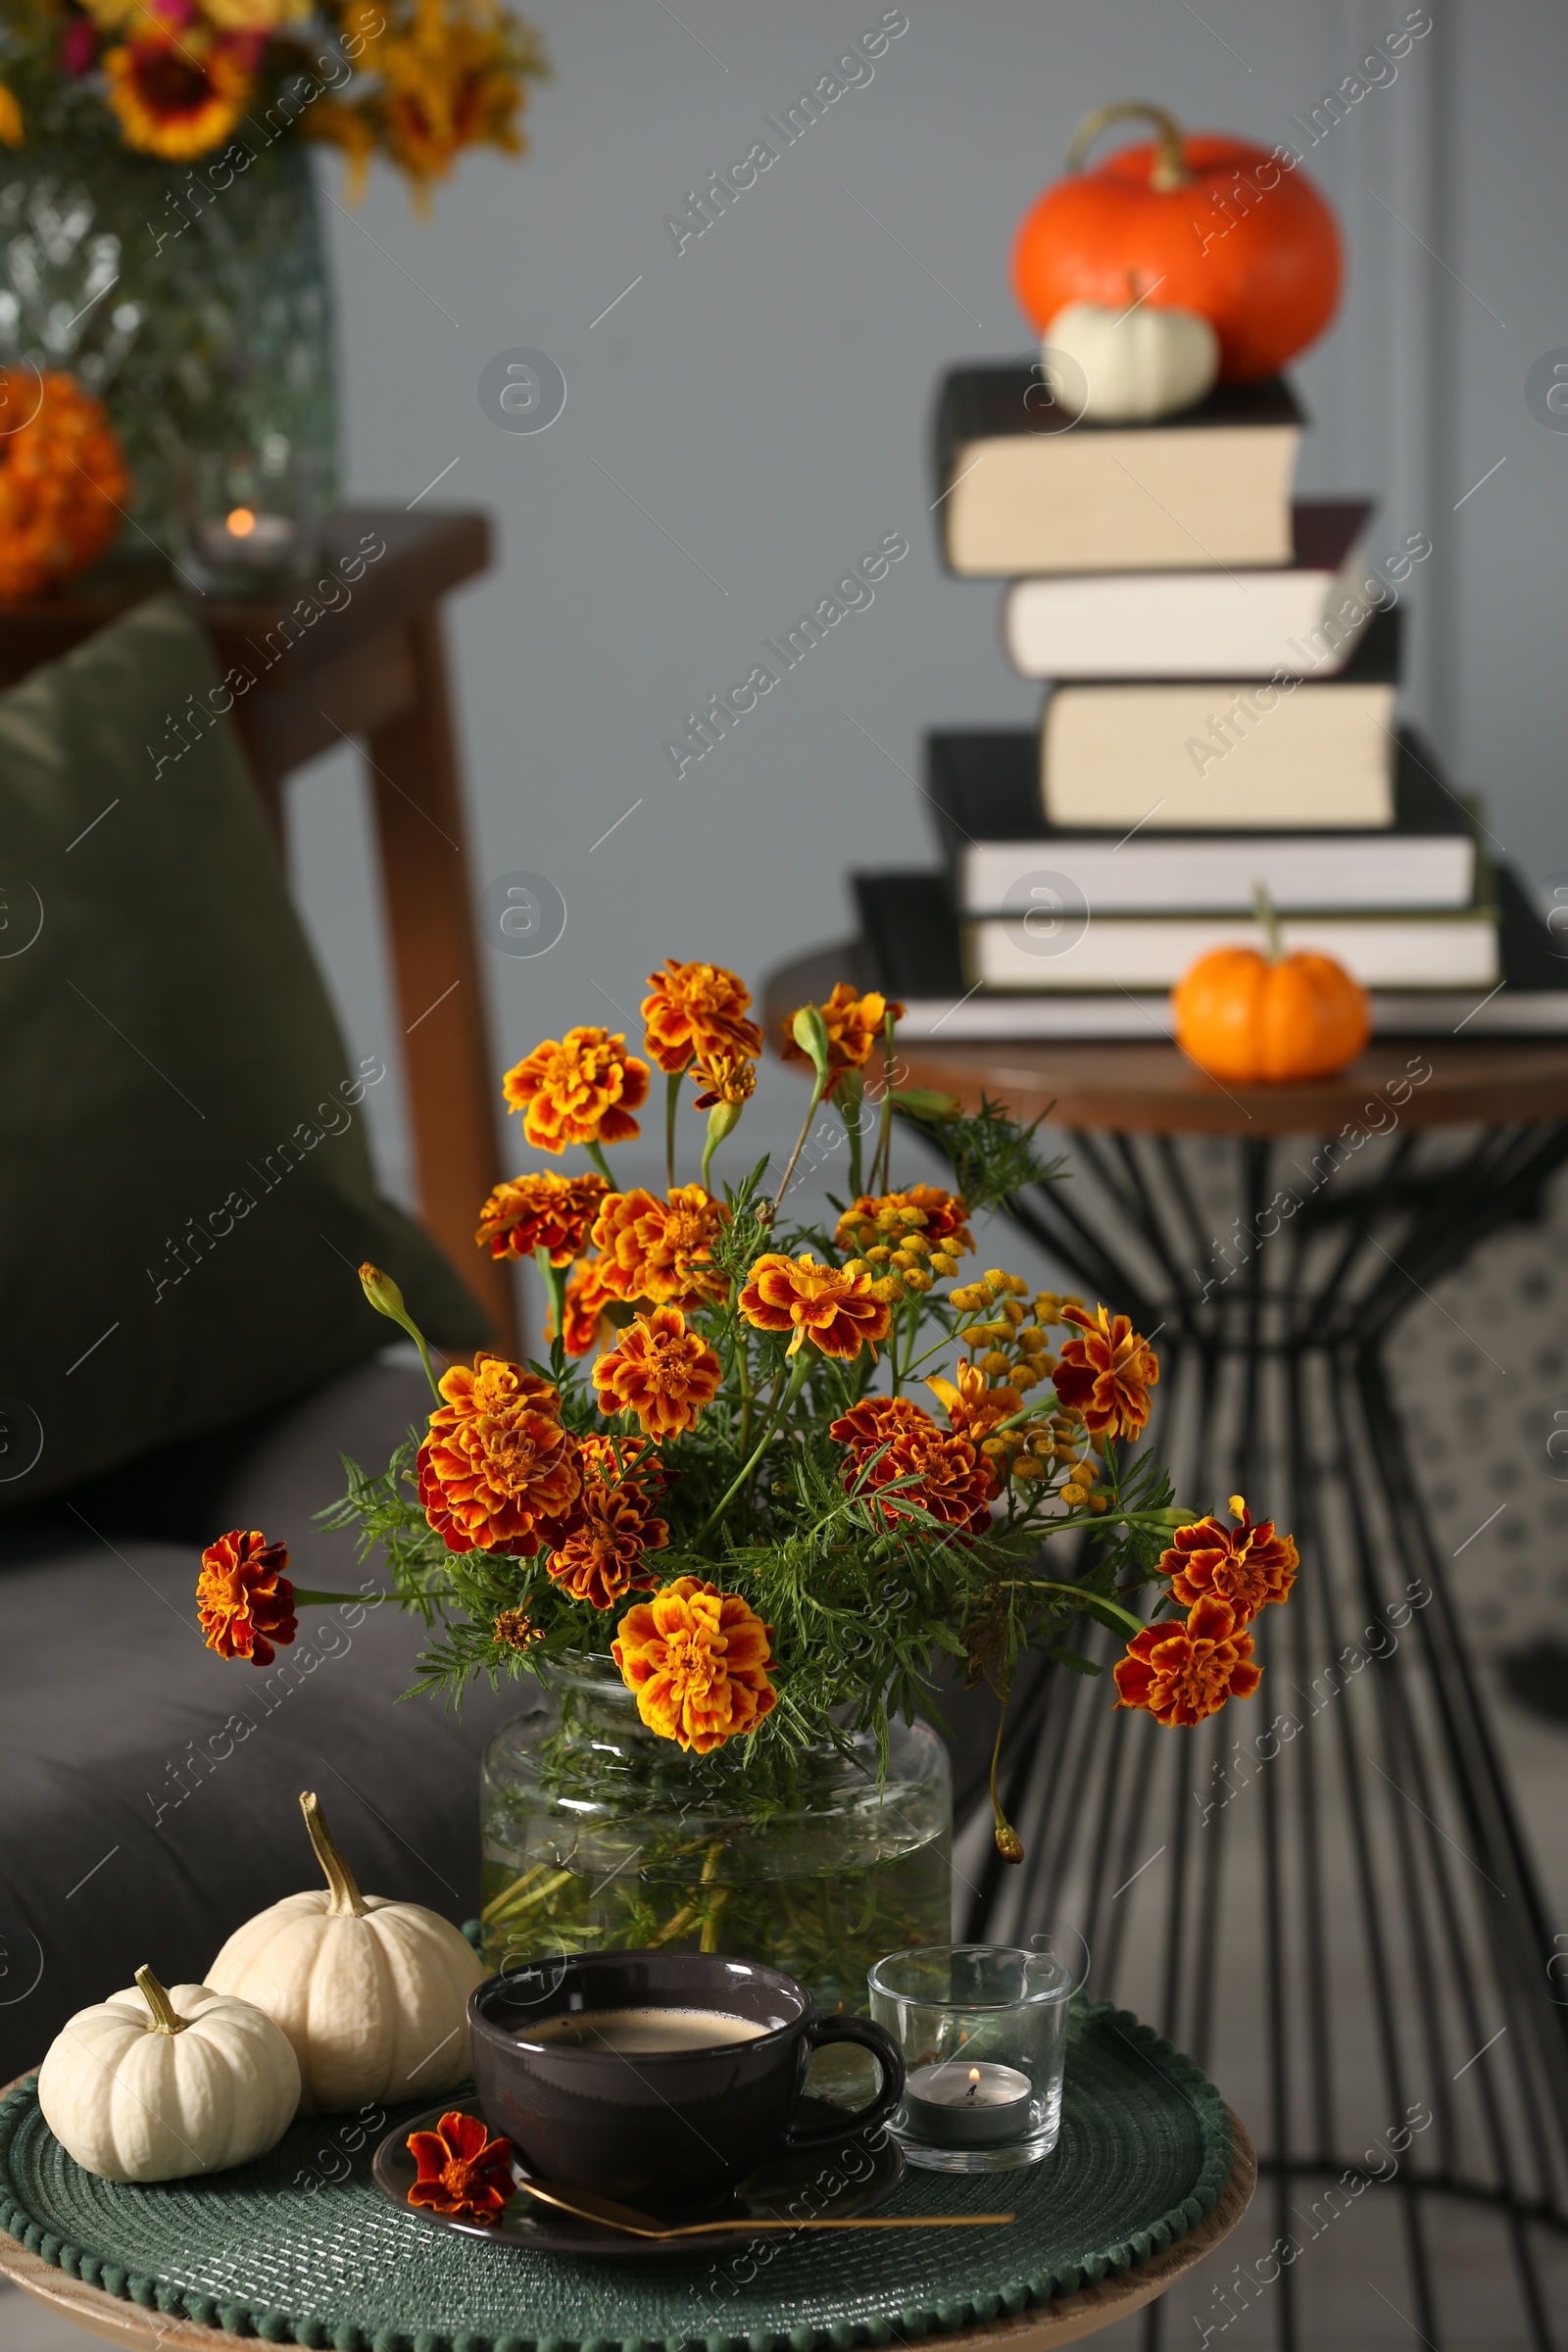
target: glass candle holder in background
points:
(983, 2028)
(248, 519)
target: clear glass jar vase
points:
(599, 1834)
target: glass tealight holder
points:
(983, 2028)
(248, 518)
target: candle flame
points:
(241, 522)
(975, 2073)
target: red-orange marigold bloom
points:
(579, 1089)
(853, 1025)
(462, 2170)
(541, 1212)
(497, 1467)
(696, 1661)
(660, 1249)
(973, 1405)
(599, 1559)
(1249, 1565)
(660, 1371)
(1105, 1376)
(63, 480)
(696, 1010)
(588, 1327)
(950, 1481)
(243, 1598)
(1180, 1673)
(836, 1312)
(944, 1214)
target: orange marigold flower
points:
(579, 1089)
(1248, 1565)
(853, 1025)
(696, 1661)
(497, 1467)
(1106, 1377)
(462, 2170)
(836, 1312)
(1180, 1673)
(943, 1218)
(541, 1212)
(725, 1078)
(177, 92)
(63, 480)
(695, 1012)
(660, 1249)
(515, 1628)
(891, 1441)
(588, 1327)
(599, 1559)
(243, 1600)
(660, 1371)
(973, 1405)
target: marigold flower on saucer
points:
(497, 1467)
(1180, 1673)
(952, 1482)
(176, 94)
(696, 1010)
(462, 2171)
(1249, 1565)
(599, 1559)
(515, 1628)
(727, 1078)
(660, 1249)
(1105, 1376)
(541, 1212)
(837, 1311)
(243, 1600)
(659, 1371)
(942, 1218)
(580, 1088)
(854, 1024)
(588, 1326)
(696, 1659)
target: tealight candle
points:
(952, 2105)
(243, 540)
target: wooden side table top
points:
(1066, 2319)
(1153, 1089)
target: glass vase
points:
(599, 1834)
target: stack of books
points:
(1223, 667)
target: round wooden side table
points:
(1341, 1860)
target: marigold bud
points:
(382, 1292)
(1010, 1845)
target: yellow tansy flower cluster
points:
(1015, 1354)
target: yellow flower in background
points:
(178, 95)
(10, 118)
(253, 16)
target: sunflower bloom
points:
(853, 1025)
(462, 2170)
(1249, 1565)
(660, 1249)
(695, 1012)
(498, 1466)
(1106, 1377)
(696, 1661)
(942, 1218)
(243, 1600)
(937, 1472)
(578, 1090)
(177, 94)
(659, 1371)
(600, 1559)
(1180, 1673)
(541, 1212)
(835, 1310)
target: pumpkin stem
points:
(1169, 170)
(347, 1901)
(158, 2001)
(1263, 908)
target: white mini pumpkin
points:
(1132, 364)
(155, 2085)
(372, 1994)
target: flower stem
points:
(596, 1152)
(817, 1092)
(310, 1599)
(778, 1409)
(883, 1155)
(1094, 1600)
(672, 1081)
(555, 1282)
(852, 1102)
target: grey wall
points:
(754, 415)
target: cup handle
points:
(851, 2120)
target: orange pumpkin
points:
(1204, 223)
(1251, 1017)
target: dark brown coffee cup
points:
(671, 2128)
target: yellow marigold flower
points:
(695, 1012)
(696, 1661)
(497, 1466)
(853, 1025)
(838, 1313)
(579, 1089)
(177, 94)
(659, 1371)
(941, 1218)
(660, 1249)
(972, 1404)
(541, 1212)
(727, 1078)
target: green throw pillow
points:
(185, 1177)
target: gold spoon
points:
(584, 2205)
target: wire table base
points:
(1339, 1859)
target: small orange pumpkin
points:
(1251, 1017)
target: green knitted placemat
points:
(300, 2247)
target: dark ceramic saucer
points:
(825, 2183)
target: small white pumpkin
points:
(155, 2085)
(372, 1994)
(1131, 366)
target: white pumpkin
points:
(1130, 366)
(155, 2085)
(372, 1994)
